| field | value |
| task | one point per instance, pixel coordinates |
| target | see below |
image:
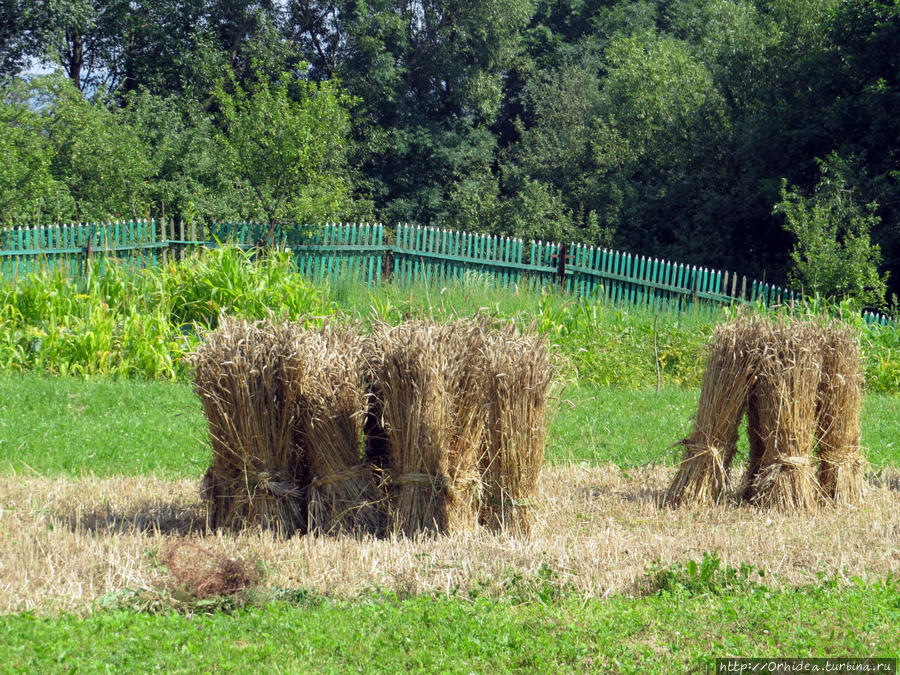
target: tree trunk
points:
(75, 58)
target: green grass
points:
(599, 425)
(69, 426)
(666, 632)
(628, 427)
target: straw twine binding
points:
(346, 501)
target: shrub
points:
(833, 254)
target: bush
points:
(833, 255)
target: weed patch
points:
(709, 576)
(141, 324)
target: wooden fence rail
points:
(368, 254)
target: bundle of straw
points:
(343, 495)
(789, 362)
(519, 373)
(409, 363)
(467, 343)
(245, 376)
(703, 474)
(842, 467)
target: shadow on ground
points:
(150, 517)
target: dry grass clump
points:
(500, 383)
(789, 365)
(518, 375)
(201, 573)
(246, 378)
(703, 473)
(343, 495)
(458, 422)
(468, 344)
(841, 465)
(453, 417)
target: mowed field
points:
(100, 483)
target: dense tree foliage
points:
(667, 127)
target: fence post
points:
(561, 253)
(696, 287)
(165, 249)
(387, 265)
(89, 249)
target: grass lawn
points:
(68, 426)
(668, 632)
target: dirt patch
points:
(65, 543)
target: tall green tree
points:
(164, 46)
(429, 75)
(660, 120)
(85, 38)
(18, 40)
(189, 181)
(29, 193)
(623, 138)
(286, 142)
(861, 76)
(553, 164)
(97, 154)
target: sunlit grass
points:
(67, 426)
(664, 633)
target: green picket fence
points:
(428, 254)
(68, 248)
(361, 253)
(328, 253)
